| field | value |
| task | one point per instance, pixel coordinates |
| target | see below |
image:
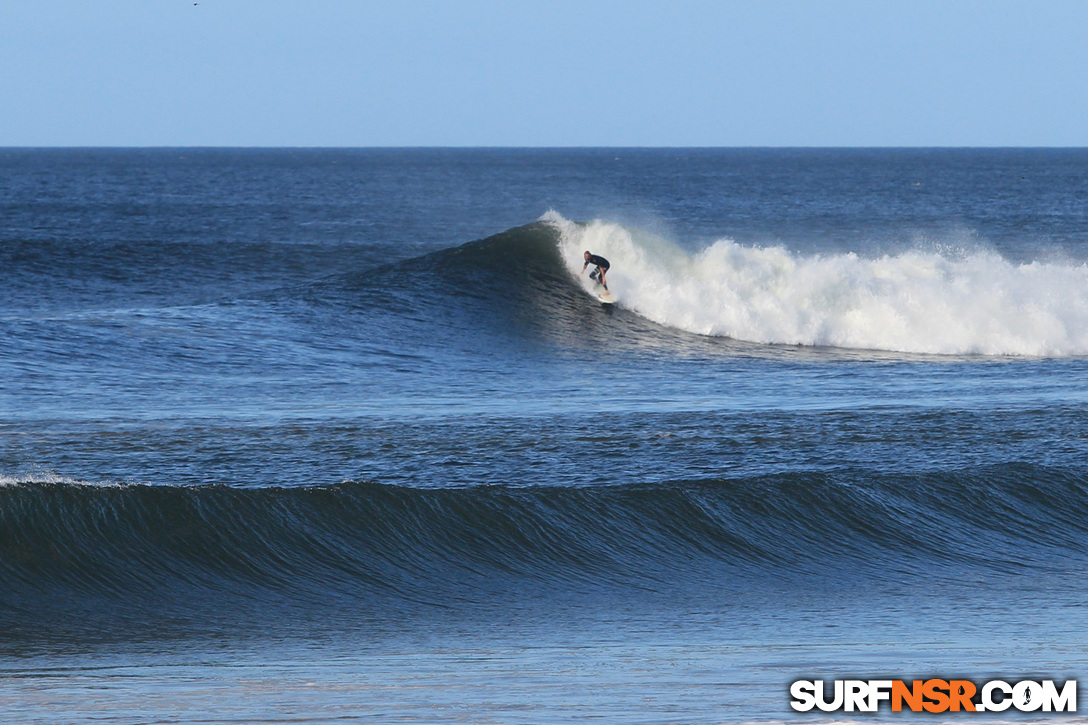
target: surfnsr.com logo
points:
(935, 695)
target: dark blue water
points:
(328, 435)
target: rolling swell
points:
(215, 551)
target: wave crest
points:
(915, 301)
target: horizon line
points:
(468, 147)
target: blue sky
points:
(544, 73)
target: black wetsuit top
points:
(599, 261)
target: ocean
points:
(325, 436)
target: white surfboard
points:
(605, 296)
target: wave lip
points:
(970, 302)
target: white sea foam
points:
(913, 301)
(39, 477)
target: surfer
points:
(598, 273)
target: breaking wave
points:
(969, 302)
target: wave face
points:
(180, 551)
(948, 302)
